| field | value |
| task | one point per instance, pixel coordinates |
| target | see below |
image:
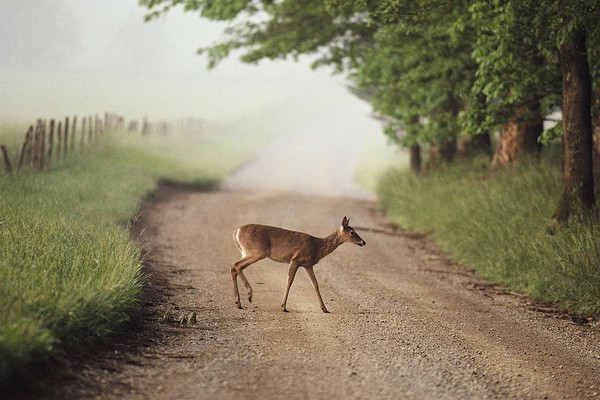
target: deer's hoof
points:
(239, 305)
(325, 310)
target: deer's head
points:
(349, 235)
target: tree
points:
(578, 178)
(419, 70)
(523, 47)
(573, 27)
(269, 29)
(596, 125)
(424, 103)
(431, 67)
(517, 79)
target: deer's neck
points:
(329, 244)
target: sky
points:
(67, 57)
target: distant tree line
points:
(445, 75)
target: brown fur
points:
(257, 242)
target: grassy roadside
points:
(71, 274)
(496, 224)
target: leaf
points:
(551, 134)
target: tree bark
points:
(470, 146)
(444, 152)
(415, 158)
(448, 150)
(578, 181)
(596, 132)
(516, 139)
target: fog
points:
(85, 57)
(65, 57)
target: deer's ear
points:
(345, 221)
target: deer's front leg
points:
(315, 284)
(291, 274)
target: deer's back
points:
(276, 243)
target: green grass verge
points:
(70, 272)
(495, 223)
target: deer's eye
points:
(352, 233)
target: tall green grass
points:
(70, 272)
(495, 222)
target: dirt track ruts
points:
(405, 321)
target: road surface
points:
(405, 323)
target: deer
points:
(299, 249)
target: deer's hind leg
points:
(236, 270)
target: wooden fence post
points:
(39, 144)
(42, 146)
(90, 126)
(66, 136)
(50, 141)
(6, 159)
(59, 139)
(96, 121)
(82, 129)
(36, 144)
(73, 132)
(24, 147)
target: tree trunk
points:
(448, 150)
(578, 181)
(415, 158)
(596, 136)
(517, 138)
(444, 152)
(470, 146)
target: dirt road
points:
(405, 322)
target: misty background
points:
(89, 56)
(85, 57)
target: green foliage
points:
(420, 71)
(221, 10)
(517, 75)
(551, 134)
(345, 7)
(496, 224)
(433, 69)
(277, 30)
